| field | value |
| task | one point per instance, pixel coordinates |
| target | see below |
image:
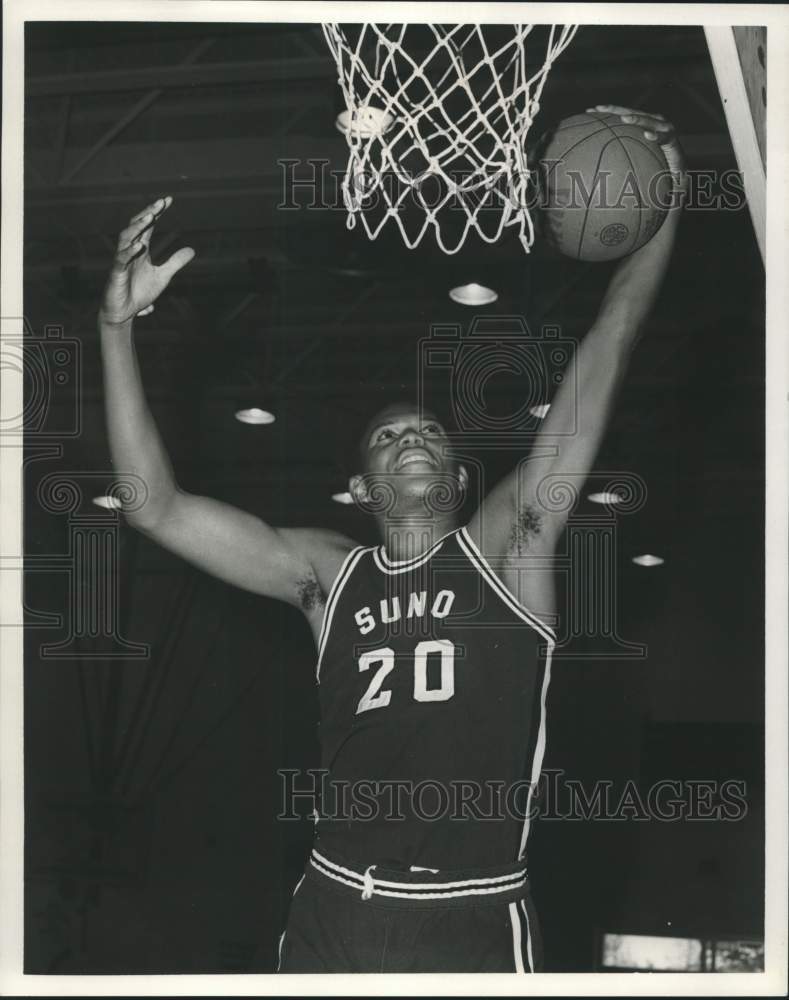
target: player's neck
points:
(408, 539)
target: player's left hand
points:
(656, 129)
(135, 283)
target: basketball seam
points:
(578, 142)
(586, 213)
(588, 135)
(632, 167)
(659, 160)
(655, 155)
(594, 118)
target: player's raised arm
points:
(586, 397)
(223, 540)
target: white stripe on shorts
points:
(515, 923)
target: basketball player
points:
(433, 648)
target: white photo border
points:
(773, 980)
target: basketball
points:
(604, 187)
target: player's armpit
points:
(512, 519)
(519, 542)
(324, 551)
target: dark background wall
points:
(152, 843)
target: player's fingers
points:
(156, 208)
(664, 133)
(644, 114)
(174, 264)
(153, 209)
(638, 118)
(135, 231)
(615, 109)
(141, 226)
(127, 254)
(146, 311)
(623, 112)
(654, 130)
(633, 116)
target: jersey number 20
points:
(374, 697)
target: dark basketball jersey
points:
(433, 681)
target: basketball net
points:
(443, 129)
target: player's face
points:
(407, 443)
(409, 450)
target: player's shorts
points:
(347, 918)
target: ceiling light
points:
(366, 122)
(342, 497)
(255, 416)
(540, 411)
(605, 497)
(473, 295)
(110, 503)
(648, 560)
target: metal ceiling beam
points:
(61, 134)
(331, 327)
(111, 184)
(129, 117)
(253, 113)
(168, 77)
(210, 158)
(125, 191)
(237, 310)
(320, 68)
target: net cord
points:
(470, 156)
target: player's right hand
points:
(657, 128)
(135, 283)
